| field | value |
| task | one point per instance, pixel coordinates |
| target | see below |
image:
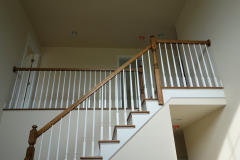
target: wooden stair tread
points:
(137, 112)
(109, 141)
(122, 126)
(91, 157)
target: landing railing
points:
(147, 83)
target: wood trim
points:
(109, 141)
(66, 69)
(192, 87)
(130, 126)
(79, 101)
(208, 42)
(137, 112)
(54, 109)
(91, 157)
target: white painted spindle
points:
(138, 88)
(100, 90)
(163, 71)
(181, 67)
(105, 94)
(14, 89)
(131, 87)
(49, 145)
(85, 122)
(200, 69)
(25, 91)
(116, 100)
(50, 105)
(174, 63)
(68, 90)
(169, 68)
(93, 128)
(59, 138)
(101, 128)
(58, 89)
(120, 90)
(189, 76)
(144, 79)
(151, 76)
(69, 123)
(214, 77)
(125, 97)
(19, 90)
(205, 66)
(30, 91)
(74, 86)
(40, 149)
(45, 101)
(89, 98)
(194, 70)
(34, 100)
(109, 110)
(40, 99)
(63, 89)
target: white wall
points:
(14, 30)
(218, 21)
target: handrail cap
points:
(209, 42)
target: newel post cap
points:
(209, 42)
(34, 126)
(14, 68)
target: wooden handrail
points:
(79, 101)
(208, 42)
(66, 69)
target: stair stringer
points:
(124, 134)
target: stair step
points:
(109, 141)
(91, 157)
(122, 126)
(140, 112)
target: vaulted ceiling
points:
(102, 23)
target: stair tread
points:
(109, 141)
(122, 126)
(91, 157)
(137, 112)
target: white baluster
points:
(174, 63)
(200, 69)
(151, 78)
(131, 88)
(14, 89)
(74, 86)
(34, 100)
(189, 76)
(49, 75)
(89, 98)
(30, 91)
(214, 77)
(138, 88)
(163, 71)
(25, 92)
(68, 90)
(194, 71)
(144, 79)
(120, 89)
(105, 94)
(58, 89)
(84, 89)
(100, 90)
(50, 141)
(110, 105)
(19, 90)
(116, 100)
(208, 78)
(50, 105)
(125, 98)
(76, 139)
(63, 89)
(69, 123)
(93, 129)
(101, 129)
(59, 138)
(42, 89)
(180, 61)
(40, 149)
(169, 69)
(85, 131)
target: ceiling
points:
(105, 23)
(189, 114)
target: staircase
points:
(144, 95)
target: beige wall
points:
(219, 21)
(70, 57)
(14, 30)
(180, 146)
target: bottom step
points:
(91, 157)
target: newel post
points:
(141, 82)
(156, 71)
(31, 141)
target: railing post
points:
(140, 71)
(31, 141)
(156, 71)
